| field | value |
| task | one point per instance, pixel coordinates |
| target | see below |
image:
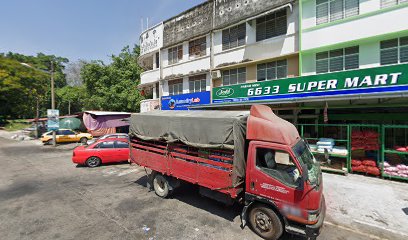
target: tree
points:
(21, 89)
(113, 87)
(71, 99)
(43, 62)
(73, 73)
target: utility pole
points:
(54, 134)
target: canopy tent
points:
(99, 123)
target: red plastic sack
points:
(373, 171)
(360, 168)
(355, 163)
(369, 162)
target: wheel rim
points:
(263, 222)
(93, 162)
(160, 184)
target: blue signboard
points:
(53, 119)
(183, 101)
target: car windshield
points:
(303, 154)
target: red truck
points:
(254, 158)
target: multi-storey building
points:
(301, 57)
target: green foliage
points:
(20, 88)
(113, 87)
(43, 62)
(15, 125)
(71, 99)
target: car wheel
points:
(161, 186)
(265, 222)
(93, 162)
(83, 140)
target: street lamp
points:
(54, 135)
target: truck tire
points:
(161, 186)
(265, 222)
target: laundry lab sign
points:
(365, 81)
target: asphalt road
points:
(44, 196)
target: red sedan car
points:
(110, 150)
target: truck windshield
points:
(303, 154)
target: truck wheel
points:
(265, 222)
(161, 186)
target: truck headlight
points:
(312, 217)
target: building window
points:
(176, 87)
(197, 83)
(272, 70)
(157, 60)
(333, 10)
(234, 36)
(337, 60)
(198, 47)
(234, 76)
(389, 3)
(394, 51)
(175, 54)
(271, 25)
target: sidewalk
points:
(370, 205)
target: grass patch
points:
(15, 125)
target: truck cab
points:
(283, 185)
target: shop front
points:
(355, 121)
(184, 101)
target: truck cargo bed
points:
(210, 168)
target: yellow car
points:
(66, 135)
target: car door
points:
(122, 150)
(105, 150)
(274, 176)
(71, 136)
(60, 137)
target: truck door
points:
(273, 175)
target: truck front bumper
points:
(314, 230)
(309, 231)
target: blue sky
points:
(80, 29)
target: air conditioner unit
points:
(216, 74)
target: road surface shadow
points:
(189, 194)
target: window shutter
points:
(336, 10)
(404, 49)
(352, 8)
(225, 39)
(322, 62)
(233, 76)
(389, 56)
(351, 59)
(388, 3)
(241, 34)
(336, 60)
(233, 37)
(281, 70)
(322, 13)
(225, 78)
(261, 69)
(171, 89)
(203, 85)
(260, 31)
(281, 23)
(241, 75)
(191, 86)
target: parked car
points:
(110, 150)
(112, 135)
(65, 136)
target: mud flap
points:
(244, 215)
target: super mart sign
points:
(365, 81)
